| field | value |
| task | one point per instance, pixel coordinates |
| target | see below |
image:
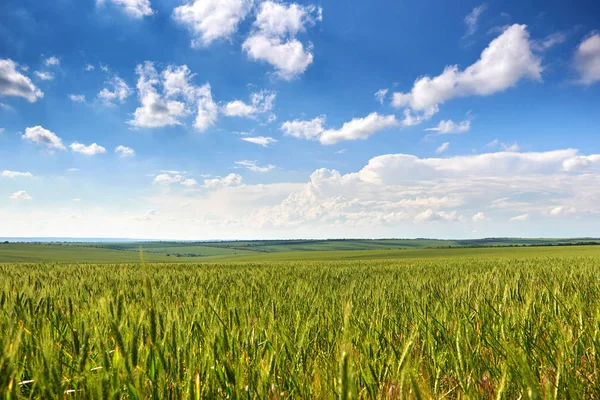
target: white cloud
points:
(309, 130)
(261, 102)
(120, 91)
(189, 182)
(147, 216)
(479, 217)
(41, 136)
(449, 126)
(493, 143)
(51, 61)
(507, 60)
(522, 217)
(134, 8)
(357, 128)
(587, 59)
(510, 147)
(254, 167)
(77, 98)
(442, 148)
(550, 41)
(579, 162)
(91, 150)
(45, 76)
(124, 151)
(20, 195)
(380, 95)
(431, 216)
(76, 200)
(273, 37)
(15, 174)
(104, 68)
(209, 20)
(207, 110)
(228, 181)
(168, 178)
(89, 67)
(179, 96)
(472, 19)
(13, 83)
(264, 141)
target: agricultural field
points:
(502, 323)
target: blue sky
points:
(263, 119)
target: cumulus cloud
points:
(431, 216)
(120, 91)
(261, 102)
(273, 37)
(587, 59)
(189, 182)
(124, 151)
(449, 126)
(228, 181)
(357, 128)
(134, 8)
(45, 76)
(91, 150)
(14, 83)
(442, 148)
(77, 98)
(16, 174)
(179, 96)
(507, 60)
(44, 137)
(51, 61)
(579, 162)
(263, 141)
(209, 20)
(479, 217)
(20, 195)
(472, 20)
(89, 67)
(254, 167)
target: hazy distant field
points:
(451, 323)
(280, 250)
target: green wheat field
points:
(482, 323)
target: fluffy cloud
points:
(77, 98)
(396, 188)
(20, 195)
(209, 20)
(442, 148)
(309, 130)
(228, 181)
(273, 37)
(44, 137)
(133, 8)
(449, 126)
(15, 174)
(178, 97)
(254, 167)
(261, 102)
(189, 182)
(45, 76)
(579, 162)
(380, 95)
(124, 151)
(263, 141)
(479, 217)
(507, 60)
(91, 150)
(120, 91)
(13, 83)
(357, 128)
(587, 59)
(168, 178)
(51, 61)
(472, 19)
